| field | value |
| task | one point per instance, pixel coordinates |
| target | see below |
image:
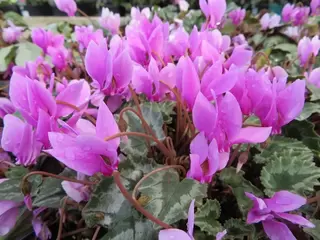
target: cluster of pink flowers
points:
(295, 14)
(216, 79)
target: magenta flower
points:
(85, 34)
(269, 21)
(45, 39)
(6, 107)
(19, 138)
(315, 7)
(137, 15)
(300, 15)
(205, 159)
(9, 212)
(270, 210)
(287, 12)
(76, 191)
(178, 43)
(12, 33)
(314, 77)
(223, 122)
(110, 20)
(307, 48)
(149, 82)
(106, 69)
(38, 69)
(239, 40)
(214, 11)
(237, 16)
(41, 229)
(59, 57)
(67, 6)
(241, 56)
(83, 150)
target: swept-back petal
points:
(277, 230)
(284, 201)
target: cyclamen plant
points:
(156, 130)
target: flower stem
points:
(139, 208)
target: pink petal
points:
(225, 82)
(73, 190)
(18, 91)
(252, 135)
(173, 234)
(122, 69)
(204, 114)
(296, 219)
(141, 81)
(277, 230)
(240, 57)
(210, 78)
(190, 223)
(199, 146)
(106, 126)
(195, 170)
(284, 201)
(213, 158)
(43, 127)
(220, 235)
(223, 160)
(8, 219)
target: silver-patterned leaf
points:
(169, 199)
(308, 109)
(238, 229)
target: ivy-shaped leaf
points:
(206, 217)
(10, 190)
(278, 145)
(107, 206)
(7, 55)
(165, 107)
(131, 164)
(308, 109)
(314, 232)
(137, 146)
(304, 131)
(26, 52)
(315, 92)
(50, 193)
(238, 229)
(133, 229)
(239, 186)
(16, 172)
(169, 199)
(289, 172)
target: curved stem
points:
(80, 230)
(313, 199)
(61, 219)
(139, 208)
(134, 193)
(96, 232)
(234, 155)
(25, 178)
(160, 145)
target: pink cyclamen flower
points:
(12, 33)
(177, 234)
(183, 5)
(59, 57)
(9, 212)
(6, 107)
(205, 159)
(110, 20)
(286, 12)
(268, 210)
(41, 229)
(300, 15)
(83, 150)
(239, 40)
(67, 6)
(237, 16)
(19, 138)
(45, 39)
(314, 77)
(85, 34)
(214, 11)
(315, 7)
(307, 48)
(77, 191)
(269, 21)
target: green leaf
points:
(10, 190)
(137, 146)
(165, 107)
(207, 215)
(314, 232)
(289, 172)
(27, 52)
(315, 92)
(308, 109)
(15, 18)
(275, 40)
(50, 193)
(287, 47)
(304, 131)
(280, 145)
(239, 186)
(23, 226)
(169, 199)
(16, 172)
(132, 229)
(107, 206)
(238, 229)
(6, 57)
(133, 163)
